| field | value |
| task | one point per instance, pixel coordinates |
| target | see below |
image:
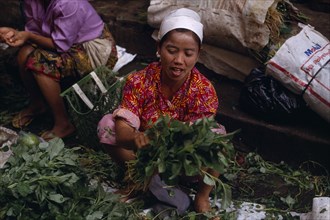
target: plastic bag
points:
(8, 137)
(302, 64)
(264, 96)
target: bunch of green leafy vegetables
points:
(182, 148)
(46, 181)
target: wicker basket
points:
(89, 99)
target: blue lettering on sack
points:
(314, 48)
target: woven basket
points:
(89, 99)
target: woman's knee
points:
(23, 54)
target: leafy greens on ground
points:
(46, 181)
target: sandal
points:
(17, 120)
(126, 195)
(49, 135)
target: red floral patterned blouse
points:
(143, 97)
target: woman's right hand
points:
(5, 33)
(141, 140)
(17, 38)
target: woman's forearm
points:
(127, 137)
(19, 38)
(124, 134)
(44, 42)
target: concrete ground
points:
(304, 137)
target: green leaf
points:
(197, 160)
(289, 201)
(222, 159)
(40, 194)
(56, 145)
(188, 147)
(43, 145)
(190, 169)
(149, 170)
(263, 170)
(208, 180)
(12, 185)
(186, 129)
(95, 215)
(69, 161)
(217, 166)
(26, 156)
(58, 198)
(23, 189)
(230, 176)
(175, 170)
(43, 162)
(69, 178)
(10, 212)
(226, 196)
(176, 126)
(161, 166)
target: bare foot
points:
(61, 132)
(125, 194)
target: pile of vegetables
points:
(183, 148)
(47, 181)
(52, 181)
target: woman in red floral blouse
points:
(172, 86)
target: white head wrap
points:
(181, 18)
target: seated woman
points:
(57, 44)
(172, 86)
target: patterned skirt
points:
(73, 63)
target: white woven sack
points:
(302, 65)
(233, 25)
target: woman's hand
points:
(6, 32)
(141, 140)
(17, 38)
